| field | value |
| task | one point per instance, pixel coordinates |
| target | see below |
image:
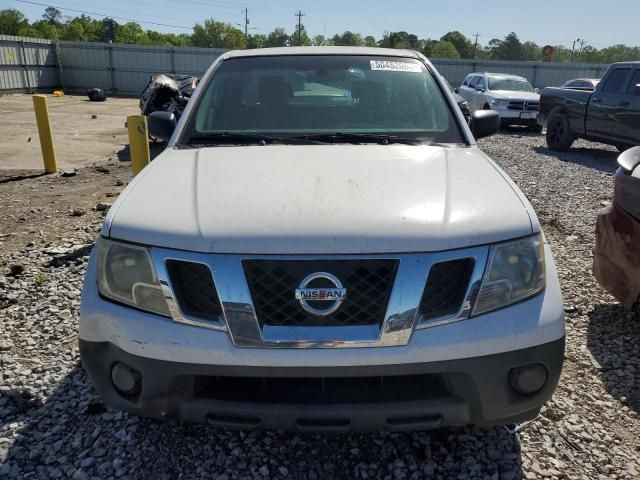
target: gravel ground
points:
(52, 425)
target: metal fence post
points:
(112, 70)
(45, 134)
(24, 67)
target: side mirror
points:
(629, 159)
(484, 123)
(537, 90)
(480, 88)
(636, 90)
(161, 125)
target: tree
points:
(215, 34)
(256, 41)
(399, 40)
(462, 44)
(347, 39)
(370, 41)
(301, 38)
(130, 32)
(444, 49)
(52, 15)
(13, 22)
(508, 49)
(531, 51)
(319, 41)
(278, 38)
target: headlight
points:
(515, 271)
(499, 103)
(126, 275)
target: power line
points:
(300, 14)
(105, 16)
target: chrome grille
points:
(446, 288)
(518, 105)
(273, 283)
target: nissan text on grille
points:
(323, 246)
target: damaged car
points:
(167, 93)
(617, 256)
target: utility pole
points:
(475, 45)
(573, 48)
(246, 22)
(582, 42)
(300, 14)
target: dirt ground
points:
(79, 138)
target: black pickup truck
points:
(610, 114)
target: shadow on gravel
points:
(72, 435)
(7, 177)
(614, 341)
(155, 149)
(601, 160)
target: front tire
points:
(559, 136)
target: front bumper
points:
(616, 263)
(517, 117)
(420, 396)
(465, 365)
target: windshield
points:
(298, 95)
(509, 84)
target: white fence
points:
(28, 64)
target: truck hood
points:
(507, 95)
(320, 199)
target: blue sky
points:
(543, 21)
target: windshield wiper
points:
(218, 138)
(359, 138)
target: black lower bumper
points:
(382, 397)
(524, 122)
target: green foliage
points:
(462, 44)
(440, 49)
(214, 34)
(13, 22)
(277, 38)
(52, 15)
(510, 48)
(319, 41)
(347, 39)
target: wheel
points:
(559, 136)
(536, 128)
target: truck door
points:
(628, 111)
(601, 111)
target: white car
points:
(322, 246)
(513, 97)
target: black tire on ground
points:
(559, 136)
(536, 128)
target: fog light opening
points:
(528, 379)
(125, 379)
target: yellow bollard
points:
(138, 142)
(44, 131)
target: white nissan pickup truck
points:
(323, 246)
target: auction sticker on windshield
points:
(395, 66)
